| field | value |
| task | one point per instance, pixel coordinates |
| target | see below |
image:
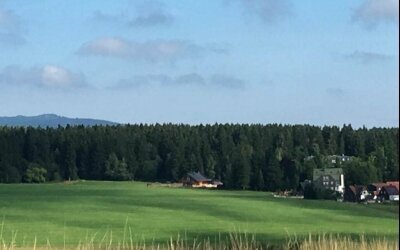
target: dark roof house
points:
(355, 193)
(393, 183)
(388, 193)
(197, 180)
(350, 194)
(329, 178)
(375, 188)
(196, 176)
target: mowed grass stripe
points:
(74, 212)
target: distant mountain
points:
(50, 120)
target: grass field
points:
(71, 213)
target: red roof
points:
(393, 183)
(379, 184)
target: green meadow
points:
(67, 214)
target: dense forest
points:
(258, 157)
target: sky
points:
(221, 61)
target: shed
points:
(393, 183)
(197, 180)
(388, 193)
(356, 193)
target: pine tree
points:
(260, 185)
(115, 169)
(273, 174)
(69, 160)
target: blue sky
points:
(235, 61)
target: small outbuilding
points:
(356, 193)
(388, 193)
(393, 183)
(197, 180)
(375, 188)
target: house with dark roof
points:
(393, 183)
(197, 180)
(375, 188)
(388, 193)
(329, 178)
(350, 194)
(356, 193)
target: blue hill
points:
(50, 120)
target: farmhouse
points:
(197, 180)
(329, 178)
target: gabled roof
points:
(334, 172)
(197, 176)
(216, 182)
(328, 171)
(393, 183)
(356, 189)
(378, 184)
(391, 190)
(360, 188)
(353, 189)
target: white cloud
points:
(107, 47)
(151, 13)
(373, 11)
(226, 81)
(144, 80)
(152, 19)
(53, 76)
(336, 92)
(268, 11)
(150, 51)
(11, 39)
(48, 76)
(9, 20)
(102, 17)
(192, 79)
(11, 29)
(367, 57)
(148, 14)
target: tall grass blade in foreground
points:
(234, 241)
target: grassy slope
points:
(49, 211)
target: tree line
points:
(258, 157)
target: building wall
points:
(330, 182)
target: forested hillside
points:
(50, 120)
(259, 157)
